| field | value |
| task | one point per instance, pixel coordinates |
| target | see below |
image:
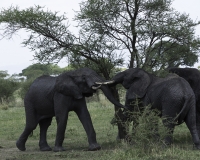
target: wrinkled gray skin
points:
(192, 75)
(56, 96)
(172, 95)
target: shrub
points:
(145, 130)
(148, 132)
(7, 88)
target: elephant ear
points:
(140, 82)
(67, 87)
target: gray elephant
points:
(172, 96)
(192, 75)
(55, 96)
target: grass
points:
(12, 123)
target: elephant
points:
(192, 75)
(50, 96)
(171, 95)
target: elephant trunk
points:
(103, 85)
(110, 96)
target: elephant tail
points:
(189, 102)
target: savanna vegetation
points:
(113, 35)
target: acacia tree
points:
(166, 53)
(140, 27)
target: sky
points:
(14, 57)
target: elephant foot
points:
(20, 146)
(58, 149)
(196, 147)
(46, 148)
(94, 147)
(168, 141)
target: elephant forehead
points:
(86, 71)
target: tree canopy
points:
(36, 70)
(112, 33)
(140, 28)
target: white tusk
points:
(109, 82)
(95, 88)
(99, 82)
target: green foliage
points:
(149, 133)
(7, 86)
(111, 32)
(14, 101)
(3, 74)
(3, 105)
(49, 36)
(36, 70)
(105, 67)
(145, 129)
(165, 54)
(136, 26)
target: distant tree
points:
(170, 54)
(3, 74)
(36, 70)
(7, 86)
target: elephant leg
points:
(198, 122)
(60, 135)
(169, 124)
(31, 124)
(84, 117)
(44, 124)
(121, 124)
(191, 124)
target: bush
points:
(146, 131)
(3, 105)
(7, 88)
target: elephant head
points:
(135, 80)
(82, 83)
